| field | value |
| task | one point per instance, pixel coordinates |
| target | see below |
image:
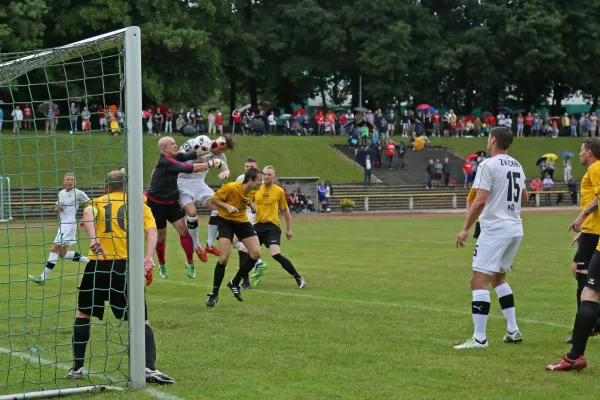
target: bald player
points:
(162, 197)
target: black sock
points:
(81, 336)
(218, 277)
(581, 281)
(245, 268)
(287, 265)
(50, 265)
(76, 257)
(150, 348)
(586, 319)
(243, 257)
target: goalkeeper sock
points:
(81, 336)
(150, 348)
(161, 249)
(71, 255)
(192, 225)
(188, 247)
(212, 228)
(52, 258)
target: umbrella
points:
(481, 153)
(502, 108)
(188, 130)
(540, 160)
(213, 109)
(424, 107)
(471, 157)
(551, 156)
(419, 143)
(146, 114)
(338, 108)
(469, 118)
(485, 113)
(45, 106)
(300, 117)
(361, 109)
(286, 116)
(361, 156)
(160, 109)
(557, 119)
(300, 111)
(566, 154)
(519, 111)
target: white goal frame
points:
(131, 39)
(5, 204)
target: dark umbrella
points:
(540, 160)
(188, 130)
(212, 109)
(361, 156)
(502, 108)
(486, 113)
(43, 108)
(338, 108)
(519, 111)
(300, 118)
(361, 109)
(481, 153)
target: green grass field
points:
(526, 150)
(385, 301)
(41, 161)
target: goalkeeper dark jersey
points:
(163, 183)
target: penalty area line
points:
(374, 303)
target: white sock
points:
(52, 258)
(212, 230)
(480, 320)
(192, 225)
(71, 254)
(505, 296)
(237, 246)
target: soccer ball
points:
(204, 143)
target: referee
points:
(104, 278)
(588, 222)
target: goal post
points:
(84, 117)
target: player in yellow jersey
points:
(105, 276)
(232, 200)
(588, 252)
(269, 200)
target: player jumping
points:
(501, 190)
(162, 198)
(69, 200)
(192, 188)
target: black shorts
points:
(585, 250)
(268, 233)
(228, 229)
(477, 230)
(593, 281)
(104, 280)
(165, 212)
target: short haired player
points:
(105, 276)
(162, 196)
(192, 187)
(232, 200)
(251, 213)
(500, 185)
(269, 200)
(587, 313)
(67, 205)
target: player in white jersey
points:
(69, 200)
(500, 185)
(192, 189)
(260, 264)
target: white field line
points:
(45, 362)
(371, 303)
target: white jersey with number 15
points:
(503, 177)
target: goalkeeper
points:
(105, 274)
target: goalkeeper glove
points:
(215, 163)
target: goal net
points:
(74, 109)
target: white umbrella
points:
(286, 116)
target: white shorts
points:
(495, 254)
(193, 190)
(251, 216)
(66, 235)
(102, 121)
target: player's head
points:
(115, 182)
(250, 163)
(222, 144)
(167, 146)
(268, 175)
(253, 178)
(69, 180)
(590, 151)
(500, 138)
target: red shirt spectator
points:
(536, 185)
(390, 149)
(101, 112)
(467, 167)
(26, 112)
(491, 121)
(237, 116)
(343, 119)
(169, 115)
(528, 120)
(320, 119)
(219, 119)
(436, 118)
